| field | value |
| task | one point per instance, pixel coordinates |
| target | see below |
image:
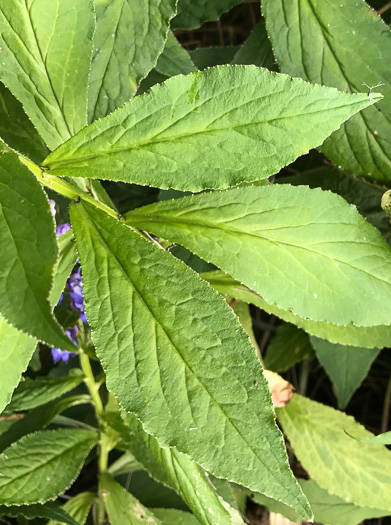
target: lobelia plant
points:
(125, 298)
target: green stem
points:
(304, 375)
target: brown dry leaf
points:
(281, 390)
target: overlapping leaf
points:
(42, 63)
(174, 60)
(175, 355)
(306, 251)
(193, 13)
(78, 507)
(209, 129)
(342, 44)
(128, 40)
(30, 512)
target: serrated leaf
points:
(78, 507)
(346, 366)
(28, 253)
(122, 507)
(174, 60)
(128, 40)
(49, 510)
(34, 392)
(192, 14)
(256, 49)
(357, 472)
(40, 466)
(210, 129)
(344, 45)
(186, 477)
(39, 418)
(289, 346)
(307, 251)
(42, 65)
(379, 336)
(17, 130)
(176, 379)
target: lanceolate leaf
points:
(381, 439)
(67, 258)
(28, 253)
(174, 60)
(46, 49)
(193, 13)
(288, 346)
(368, 337)
(319, 435)
(340, 44)
(346, 366)
(175, 355)
(78, 507)
(304, 250)
(40, 466)
(256, 49)
(130, 35)
(209, 129)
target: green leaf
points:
(340, 44)
(242, 310)
(194, 13)
(42, 65)
(49, 510)
(304, 250)
(175, 517)
(346, 366)
(128, 40)
(187, 477)
(67, 258)
(40, 466)
(381, 439)
(204, 57)
(379, 336)
(28, 243)
(16, 349)
(209, 129)
(257, 49)
(124, 464)
(17, 130)
(174, 60)
(39, 418)
(289, 346)
(179, 366)
(361, 193)
(34, 392)
(358, 473)
(78, 507)
(122, 507)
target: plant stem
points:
(304, 374)
(92, 386)
(386, 407)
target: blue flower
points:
(62, 228)
(62, 355)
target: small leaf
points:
(346, 366)
(307, 251)
(180, 365)
(129, 38)
(78, 507)
(204, 57)
(40, 466)
(289, 346)
(358, 473)
(194, 13)
(28, 243)
(256, 49)
(379, 336)
(344, 45)
(49, 510)
(209, 129)
(67, 258)
(42, 65)
(380, 439)
(122, 507)
(174, 60)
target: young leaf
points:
(122, 507)
(28, 243)
(210, 129)
(46, 50)
(174, 60)
(175, 355)
(304, 250)
(192, 14)
(17, 130)
(370, 337)
(129, 38)
(356, 472)
(346, 366)
(187, 477)
(78, 507)
(40, 466)
(381, 439)
(34, 392)
(341, 44)
(49, 510)
(288, 347)
(256, 49)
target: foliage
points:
(165, 235)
